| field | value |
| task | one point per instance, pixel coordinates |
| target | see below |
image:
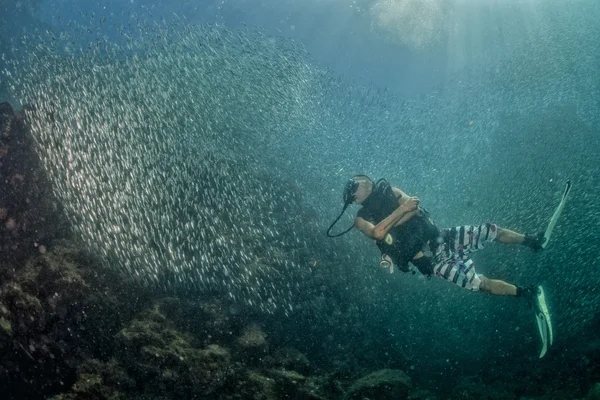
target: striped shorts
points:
(452, 261)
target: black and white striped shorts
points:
(452, 261)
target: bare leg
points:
(497, 287)
(509, 237)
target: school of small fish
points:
(148, 143)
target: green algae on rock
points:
(162, 357)
(291, 359)
(57, 311)
(385, 383)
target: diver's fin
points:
(556, 215)
(544, 323)
(543, 333)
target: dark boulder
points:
(30, 216)
(382, 384)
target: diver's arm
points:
(407, 216)
(364, 226)
(399, 216)
(400, 196)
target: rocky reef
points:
(56, 313)
(29, 215)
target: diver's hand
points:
(411, 204)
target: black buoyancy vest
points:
(406, 240)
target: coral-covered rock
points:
(56, 312)
(314, 389)
(163, 359)
(26, 313)
(287, 381)
(97, 380)
(285, 377)
(253, 338)
(382, 384)
(209, 319)
(291, 359)
(6, 332)
(265, 384)
(271, 384)
(252, 345)
(258, 387)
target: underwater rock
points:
(471, 388)
(291, 359)
(274, 384)
(421, 394)
(56, 312)
(594, 393)
(591, 349)
(286, 378)
(382, 384)
(29, 215)
(26, 312)
(6, 331)
(253, 338)
(258, 387)
(314, 389)
(210, 319)
(97, 380)
(6, 119)
(5, 327)
(279, 384)
(252, 344)
(166, 363)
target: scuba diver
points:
(405, 233)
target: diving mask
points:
(350, 190)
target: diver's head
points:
(358, 189)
